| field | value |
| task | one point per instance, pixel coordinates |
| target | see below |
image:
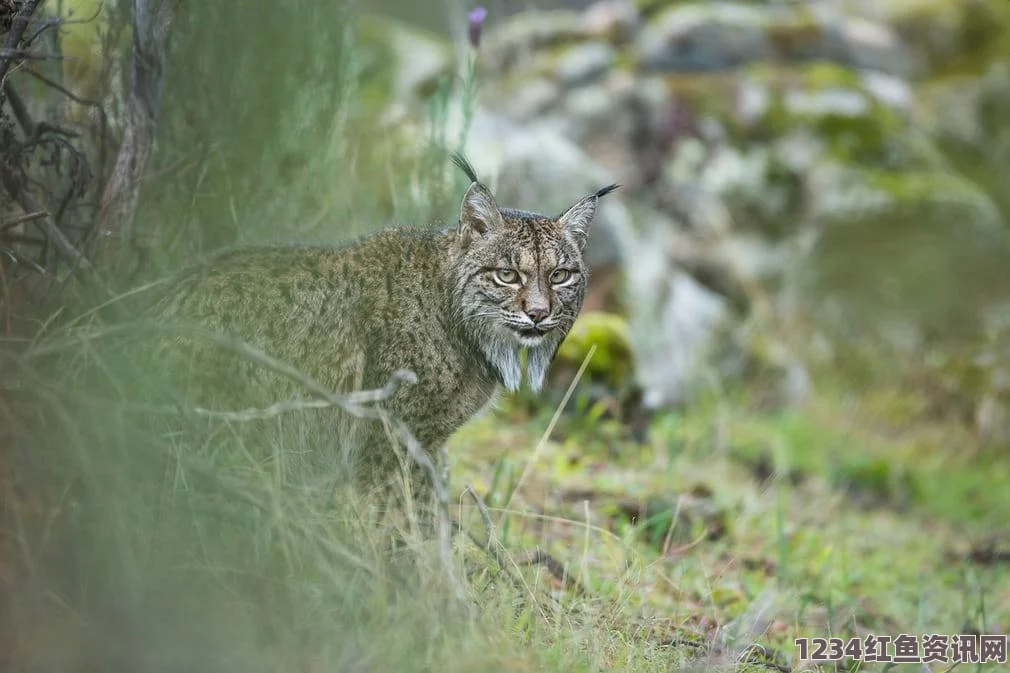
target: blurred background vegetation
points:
(795, 420)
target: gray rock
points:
(582, 63)
(613, 20)
(520, 37)
(675, 320)
(702, 37)
(865, 44)
(530, 100)
(753, 100)
(834, 102)
(888, 90)
(723, 35)
(935, 32)
(590, 110)
(732, 190)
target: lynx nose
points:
(537, 313)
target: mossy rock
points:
(563, 66)
(948, 36)
(705, 93)
(650, 7)
(526, 34)
(835, 102)
(610, 334)
(712, 36)
(858, 117)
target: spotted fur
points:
(456, 306)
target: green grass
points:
(824, 533)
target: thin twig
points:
(48, 81)
(21, 219)
(48, 226)
(58, 21)
(28, 55)
(21, 259)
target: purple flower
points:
(476, 20)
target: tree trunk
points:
(152, 21)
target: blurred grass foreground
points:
(785, 411)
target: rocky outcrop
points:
(754, 140)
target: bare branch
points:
(63, 90)
(31, 263)
(21, 219)
(28, 55)
(57, 21)
(18, 28)
(347, 402)
(45, 223)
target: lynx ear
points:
(479, 213)
(576, 220)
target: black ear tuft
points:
(465, 166)
(606, 190)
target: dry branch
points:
(46, 223)
(46, 173)
(19, 25)
(10, 224)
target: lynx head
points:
(519, 278)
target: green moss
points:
(800, 35)
(650, 8)
(858, 135)
(822, 74)
(705, 93)
(951, 36)
(609, 333)
(931, 190)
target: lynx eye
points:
(560, 276)
(507, 276)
